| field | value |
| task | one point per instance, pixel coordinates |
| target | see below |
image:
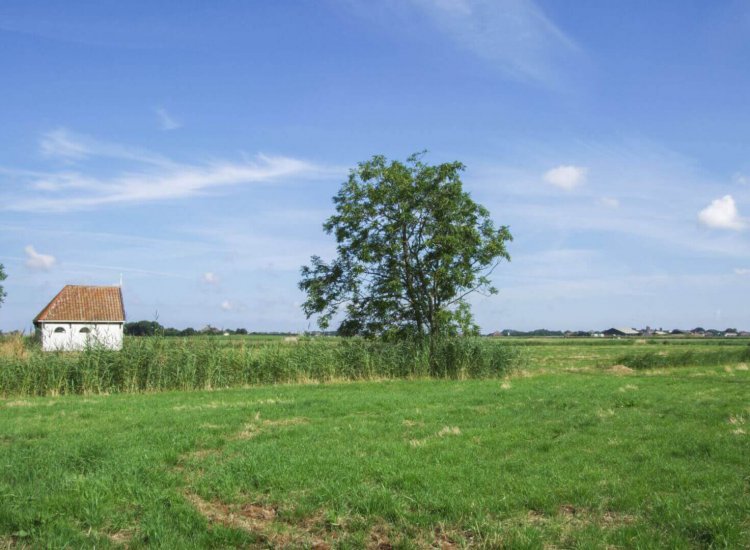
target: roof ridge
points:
(85, 303)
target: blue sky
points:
(194, 148)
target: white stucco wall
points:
(108, 335)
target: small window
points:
(85, 330)
(59, 329)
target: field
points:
(570, 447)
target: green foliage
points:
(412, 245)
(143, 328)
(160, 364)
(3, 276)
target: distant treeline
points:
(699, 331)
(153, 328)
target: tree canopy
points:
(3, 276)
(412, 245)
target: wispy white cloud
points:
(166, 121)
(152, 177)
(566, 177)
(210, 278)
(742, 271)
(59, 144)
(609, 202)
(38, 261)
(66, 145)
(234, 306)
(514, 35)
(741, 179)
(722, 214)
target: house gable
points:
(82, 316)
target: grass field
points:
(565, 452)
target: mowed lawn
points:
(597, 458)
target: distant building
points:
(81, 316)
(621, 332)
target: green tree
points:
(411, 246)
(3, 276)
(143, 328)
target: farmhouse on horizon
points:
(81, 316)
(622, 331)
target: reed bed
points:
(685, 358)
(151, 364)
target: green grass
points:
(547, 457)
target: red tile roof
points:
(85, 303)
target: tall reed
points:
(157, 364)
(685, 358)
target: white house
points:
(81, 316)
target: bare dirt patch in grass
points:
(620, 370)
(583, 516)
(379, 538)
(12, 543)
(259, 520)
(250, 518)
(287, 421)
(121, 538)
(449, 430)
(738, 420)
(574, 516)
(248, 432)
(447, 540)
(255, 428)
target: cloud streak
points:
(166, 121)
(151, 178)
(65, 145)
(514, 35)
